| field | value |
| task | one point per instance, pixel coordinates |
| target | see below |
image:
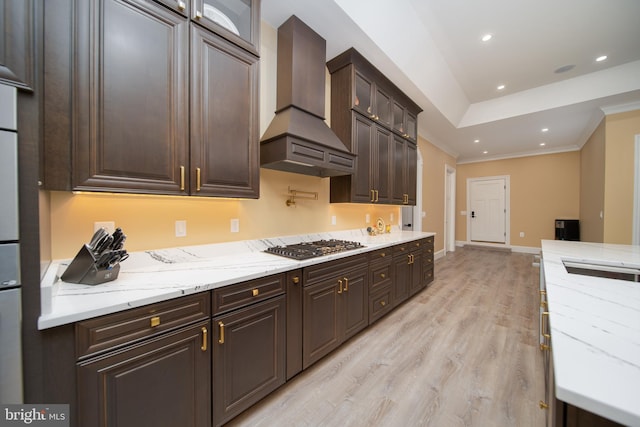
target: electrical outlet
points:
(367, 219)
(181, 228)
(109, 226)
(235, 225)
(522, 234)
(333, 220)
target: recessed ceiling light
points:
(545, 130)
(542, 144)
(564, 69)
(485, 152)
(486, 37)
(601, 58)
(476, 141)
(501, 87)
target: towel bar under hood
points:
(298, 139)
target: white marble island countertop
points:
(595, 329)
(158, 275)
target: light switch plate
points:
(367, 219)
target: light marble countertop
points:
(595, 330)
(158, 275)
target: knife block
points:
(83, 270)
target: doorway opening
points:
(635, 240)
(449, 209)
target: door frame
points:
(507, 202)
(449, 209)
(635, 240)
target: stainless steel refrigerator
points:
(10, 294)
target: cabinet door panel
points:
(321, 321)
(417, 278)
(399, 164)
(162, 382)
(131, 97)
(248, 357)
(411, 172)
(401, 279)
(383, 165)
(16, 43)
(224, 118)
(362, 181)
(356, 302)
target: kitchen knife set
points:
(99, 260)
(107, 249)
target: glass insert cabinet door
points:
(235, 20)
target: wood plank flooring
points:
(463, 352)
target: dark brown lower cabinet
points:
(164, 381)
(248, 356)
(335, 307)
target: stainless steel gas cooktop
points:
(306, 250)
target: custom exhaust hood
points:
(298, 139)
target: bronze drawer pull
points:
(295, 280)
(255, 292)
(155, 321)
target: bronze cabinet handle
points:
(203, 347)
(181, 5)
(340, 286)
(346, 284)
(221, 328)
(181, 178)
(198, 179)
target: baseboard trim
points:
(498, 246)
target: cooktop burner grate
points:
(306, 250)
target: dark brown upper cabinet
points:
(125, 121)
(224, 126)
(372, 181)
(17, 19)
(371, 100)
(378, 122)
(236, 20)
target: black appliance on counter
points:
(306, 250)
(568, 229)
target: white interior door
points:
(487, 210)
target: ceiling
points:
(432, 50)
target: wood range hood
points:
(298, 139)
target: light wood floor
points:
(461, 353)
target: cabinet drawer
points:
(243, 294)
(417, 244)
(316, 273)
(380, 304)
(106, 332)
(427, 275)
(380, 276)
(401, 249)
(381, 256)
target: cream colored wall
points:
(543, 188)
(433, 185)
(149, 221)
(592, 162)
(620, 134)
